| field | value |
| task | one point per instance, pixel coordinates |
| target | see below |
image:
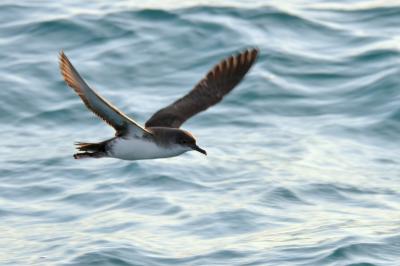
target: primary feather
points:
(221, 79)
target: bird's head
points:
(187, 140)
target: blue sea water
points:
(303, 165)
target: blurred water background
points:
(303, 165)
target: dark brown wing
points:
(209, 91)
(97, 104)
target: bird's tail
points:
(90, 150)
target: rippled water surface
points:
(303, 165)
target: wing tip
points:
(67, 71)
(250, 54)
(254, 51)
(62, 58)
(63, 62)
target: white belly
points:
(138, 149)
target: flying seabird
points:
(161, 136)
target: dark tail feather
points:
(90, 150)
(83, 155)
(95, 147)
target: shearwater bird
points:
(161, 136)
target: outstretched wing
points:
(209, 91)
(97, 104)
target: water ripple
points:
(302, 165)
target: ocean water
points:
(303, 156)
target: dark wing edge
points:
(218, 82)
(97, 104)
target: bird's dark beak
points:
(197, 148)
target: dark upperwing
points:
(97, 104)
(221, 79)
